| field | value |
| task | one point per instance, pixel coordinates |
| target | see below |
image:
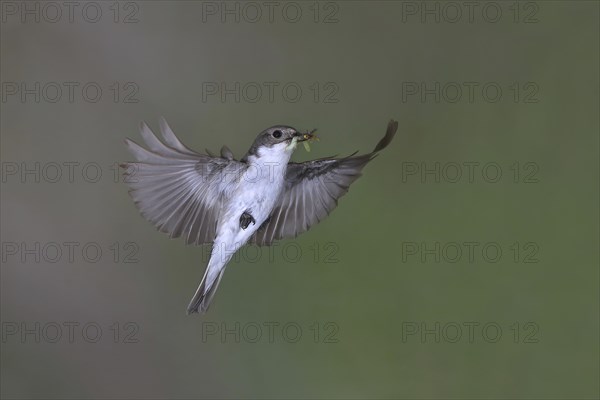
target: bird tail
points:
(209, 284)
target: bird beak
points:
(305, 136)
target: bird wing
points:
(178, 190)
(312, 191)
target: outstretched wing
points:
(312, 192)
(177, 189)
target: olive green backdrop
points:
(400, 293)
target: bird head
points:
(278, 140)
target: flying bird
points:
(218, 200)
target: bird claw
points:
(245, 220)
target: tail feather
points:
(204, 295)
(209, 284)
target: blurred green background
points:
(356, 290)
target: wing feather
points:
(178, 190)
(171, 140)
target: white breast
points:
(257, 192)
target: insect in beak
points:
(308, 137)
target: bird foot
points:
(245, 220)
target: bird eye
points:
(277, 134)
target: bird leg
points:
(245, 220)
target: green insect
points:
(307, 138)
